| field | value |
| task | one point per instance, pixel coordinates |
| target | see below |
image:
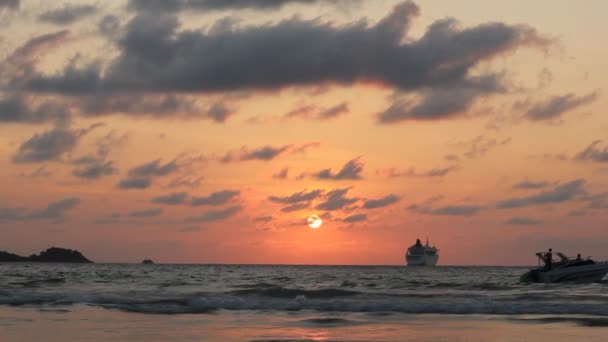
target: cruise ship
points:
(422, 255)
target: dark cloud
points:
(296, 207)
(55, 210)
(109, 25)
(17, 109)
(531, 185)
(211, 5)
(11, 214)
(351, 170)
(442, 103)
(95, 170)
(215, 198)
(592, 153)
(381, 202)
(171, 199)
(283, 174)
(216, 215)
(155, 56)
(449, 210)
(185, 181)
(355, 218)
(264, 153)
(49, 145)
(146, 213)
(334, 111)
(312, 112)
(335, 200)
(68, 14)
(264, 219)
(10, 4)
(134, 183)
(560, 193)
(527, 221)
(301, 196)
(554, 107)
(411, 172)
(154, 168)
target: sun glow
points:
(314, 221)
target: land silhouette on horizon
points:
(53, 254)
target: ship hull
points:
(421, 260)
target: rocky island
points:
(53, 254)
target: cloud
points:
(411, 172)
(527, 221)
(171, 199)
(449, 210)
(480, 146)
(68, 14)
(381, 202)
(216, 5)
(9, 4)
(146, 213)
(185, 181)
(154, 56)
(154, 168)
(216, 215)
(264, 153)
(17, 109)
(134, 183)
(296, 207)
(283, 174)
(264, 219)
(49, 145)
(11, 214)
(312, 112)
(560, 193)
(355, 218)
(110, 219)
(215, 198)
(55, 210)
(301, 196)
(525, 185)
(442, 103)
(95, 170)
(335, 200)
(597, 201)
(554, 107)
(351, 171)
(592, 153)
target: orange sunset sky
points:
(206, 131)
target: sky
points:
(206, 131)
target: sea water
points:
(266, 302)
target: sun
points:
(314, 221)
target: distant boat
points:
(147, 261)
(421, 255)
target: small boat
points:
(421, 255)
(147, 261)
(581, 270)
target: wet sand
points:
(86, 323)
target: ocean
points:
(131, 302)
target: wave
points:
(207, 303)
(282, 292)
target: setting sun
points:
(314, 221)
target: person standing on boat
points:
(549, 259)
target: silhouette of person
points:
(578, 257)
(549, 259)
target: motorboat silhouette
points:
(584, 270)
